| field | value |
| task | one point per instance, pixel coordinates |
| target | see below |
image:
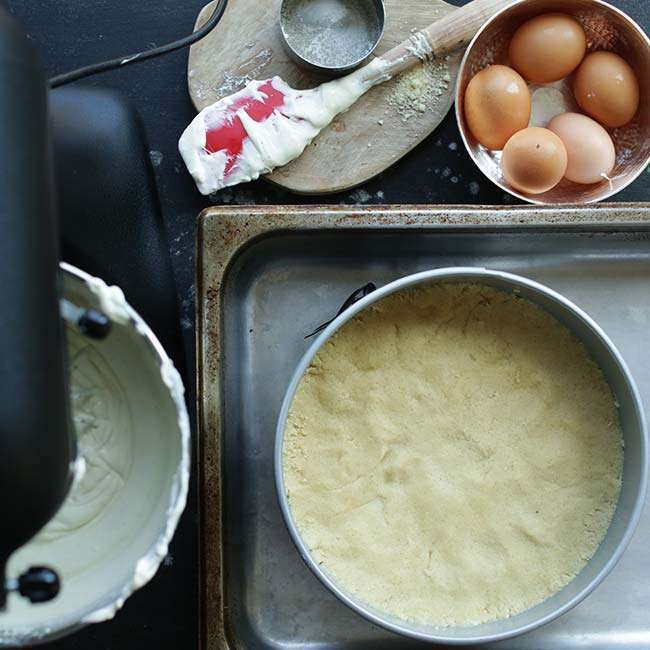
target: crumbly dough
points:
(453, 455)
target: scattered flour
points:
(250, 69)
(360, 196)
(421, 89)
(156, 158)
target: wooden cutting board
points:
(359, 144)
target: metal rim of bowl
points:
(115, 597)
(118, 596)
(529, 198)
(476, 274)
(337, 69)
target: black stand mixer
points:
(37, 438)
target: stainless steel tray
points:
(267, 277)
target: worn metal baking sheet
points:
(268, 276)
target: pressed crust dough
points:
(453, 455)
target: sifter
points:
(331, 36)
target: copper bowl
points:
(607, 28)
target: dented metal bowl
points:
(607, 28)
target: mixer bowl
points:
(114, 528)
(634, 481)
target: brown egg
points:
(548, 47)
(534, 160)
(497, 105)
(590, 150)
(606, 87)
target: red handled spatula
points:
(267, 124)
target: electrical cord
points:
(103, 66)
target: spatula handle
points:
(449, 33)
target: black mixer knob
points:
(94, 324)
(39, 584)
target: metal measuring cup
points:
(331, 36)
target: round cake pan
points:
(607, 28)
(133, 434)
(633, 489)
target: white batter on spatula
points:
(278, 139)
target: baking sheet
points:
(266, 278)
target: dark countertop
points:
(72, 33)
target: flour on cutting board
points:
(421, 89)
(251, 69)
(232, 80)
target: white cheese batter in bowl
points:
(131, 474)
(449, 456)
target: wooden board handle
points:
(453, 31)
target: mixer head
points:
(37, 443)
